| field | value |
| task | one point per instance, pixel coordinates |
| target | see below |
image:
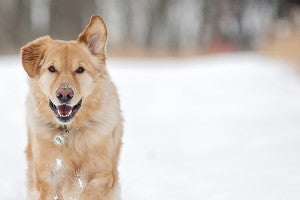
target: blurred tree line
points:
(148, 25)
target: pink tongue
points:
(64, 109)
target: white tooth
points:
(69, 113)
(59, 113)
(62, 115)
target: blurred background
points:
(156, 27)
(210, 92)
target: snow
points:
(58, 163)
(220, 127)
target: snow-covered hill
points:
(216, 128)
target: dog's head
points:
(67, 71)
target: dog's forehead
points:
(64, 54)
(66, 50)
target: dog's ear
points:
(94, 35)
(33, 53)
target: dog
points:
(73, 117)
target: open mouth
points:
(64, 112)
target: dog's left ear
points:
(33, 53)
(94, 35)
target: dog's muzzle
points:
(64, 112)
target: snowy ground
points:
(215, 128)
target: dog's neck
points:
(64, 128)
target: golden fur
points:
(85, 167)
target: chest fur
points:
(65, 168)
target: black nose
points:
(64, 94)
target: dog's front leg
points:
(47, 191)
(44, 189)
(99, 187)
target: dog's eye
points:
(79, 70)
(52, 69)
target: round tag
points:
(59, 140)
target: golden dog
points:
(74, 118)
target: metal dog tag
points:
(59, 140)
